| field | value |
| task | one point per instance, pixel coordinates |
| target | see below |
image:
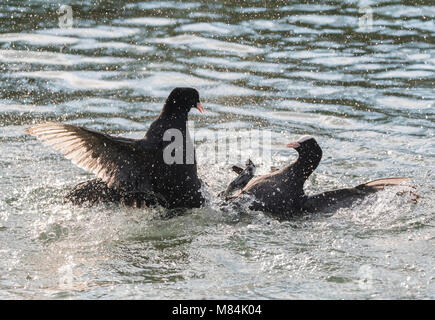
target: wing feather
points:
(117, 161)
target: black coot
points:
(281, 192)
(132, 171)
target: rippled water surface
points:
(366, 91)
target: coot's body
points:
(281, 193)
(135, 172)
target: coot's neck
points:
(174, 112)
(310, 155)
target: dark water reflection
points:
(365, 90)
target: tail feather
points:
(380, 184)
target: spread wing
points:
(117, 161)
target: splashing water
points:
(361, 84)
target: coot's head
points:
(306, 146)
(310, 154)
(181, 100)
(303, 143)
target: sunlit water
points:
(364, 90)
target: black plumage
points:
(281, 192)
(133, 171)
(244, 176)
